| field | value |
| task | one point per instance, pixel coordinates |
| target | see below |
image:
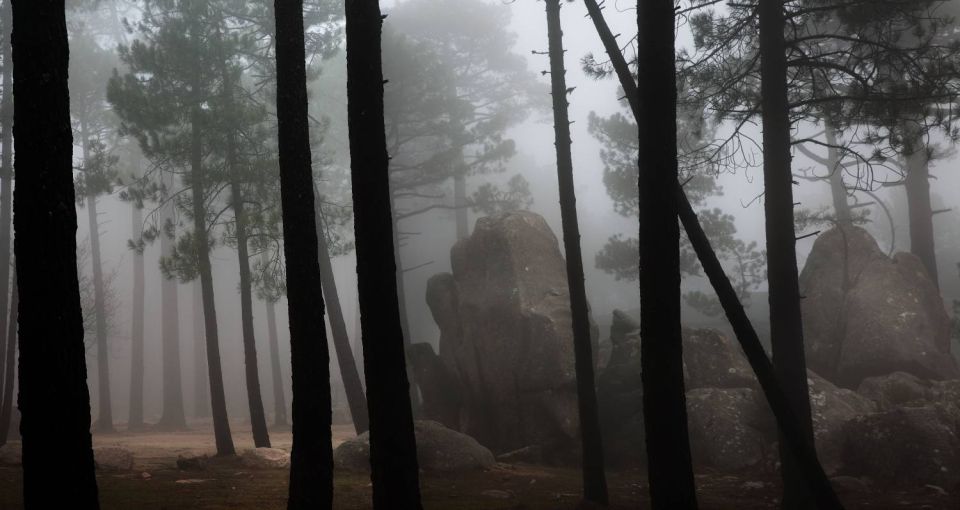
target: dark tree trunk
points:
(792, 431)
(104, 422)
(218, 403)
(311, 463)
(594, 478)
(664, 403)
(173, 416)
(6, 181)
(258, 421)
(6, 407)
(279, 400)
(135, 421)
(786, 326)
(341, 340)
(54, 400)
(201, 382)
(838, 191)
(393, 452)
(920, 209)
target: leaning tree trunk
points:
(105, 419)
(201, 383)
(6, 405)
(279, 400)
(786, 325)
(920, 209)
(356, 400)
(787, 422)
(258, 421)
(594, 478)
(669, 463)
(838, 190)
(173, 416)
(218, 403)
(54, 400)
(135, 421)
(6, 182)
(311, 462)
(393, 453)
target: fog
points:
(495, 133)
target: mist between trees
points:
(241, 224)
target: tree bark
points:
(6, 407)
(920, 209)
(279, 400)
(838, 191)
(669, 463)
(173, 416)
(311, 463)
(54, 399)
(594, 477)
(787, 421)
(104, 422)
(393, 453)
(356, 400)
(786, 325)
(258, 421)
(201, 382)
(135, 421)
(218, 404)
(6, 182)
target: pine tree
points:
(311, 463)
(594, 477)
(393, 453)
(54, 400)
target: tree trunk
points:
(664, 403)
(594, 478)
(787, 422)
(6, 407)
(393, 453)
(218, 403)
(258, 421)
(917, 183)
(173, 416)
(279, 400)
(54, 399)
(201, 382)
(356, 400)
(838, 190)
(311, 463)
(135, 421)
(460, 202)
(104, 422)
(786, 326)
(6, 182)
(105, 419)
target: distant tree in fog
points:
(54, 400)
(164, 102)
(453, 90)
(95, 129)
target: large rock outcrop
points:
(865, 314)
(504, 317)
(438, 449)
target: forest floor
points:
(156, 483)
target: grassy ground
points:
(156, 484)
